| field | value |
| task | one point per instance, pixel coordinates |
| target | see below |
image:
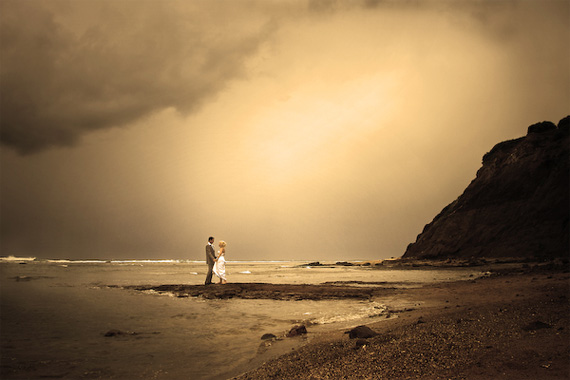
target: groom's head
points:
(211, 239)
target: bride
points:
(220, 264)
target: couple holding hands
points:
(216, 264)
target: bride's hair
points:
(222, 243)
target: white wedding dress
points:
(220, 267)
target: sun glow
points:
(293, 136)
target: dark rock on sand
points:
(361, 332)
(296, 331)
(360, 343)
(536, 325)
(517, 206)
(28, 278)
(268, 337)
(112, 333)
(22, 278)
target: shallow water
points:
(54, 316)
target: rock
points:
(564, 125)
(254, 290)
(360, 343)
(296, 331)
(544, 126)
(28, 278)
(361, 332)
(536, 325)
(263, 346)
(112, 333)
(345, 263)
(23, 278)
(516, 207)
(268, 337)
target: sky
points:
(293, 130)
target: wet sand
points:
(510, 326)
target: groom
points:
(210, 259)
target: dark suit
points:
(210, 259)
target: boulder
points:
(360, 343)
(112, 333)
(361, 332)
(296, 331)
(536, 325)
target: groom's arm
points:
(211, 252)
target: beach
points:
(153, 320)
(509, 326)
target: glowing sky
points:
(309, 130)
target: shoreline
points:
(513, 324)
(88, 329)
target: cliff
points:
(517, 206)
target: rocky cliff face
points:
(517, 206)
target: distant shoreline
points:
(394, 263)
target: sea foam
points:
(16, 259)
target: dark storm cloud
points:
(58, 84)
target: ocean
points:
(55, 315)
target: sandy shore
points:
(511, 326)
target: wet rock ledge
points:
(269, 291)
